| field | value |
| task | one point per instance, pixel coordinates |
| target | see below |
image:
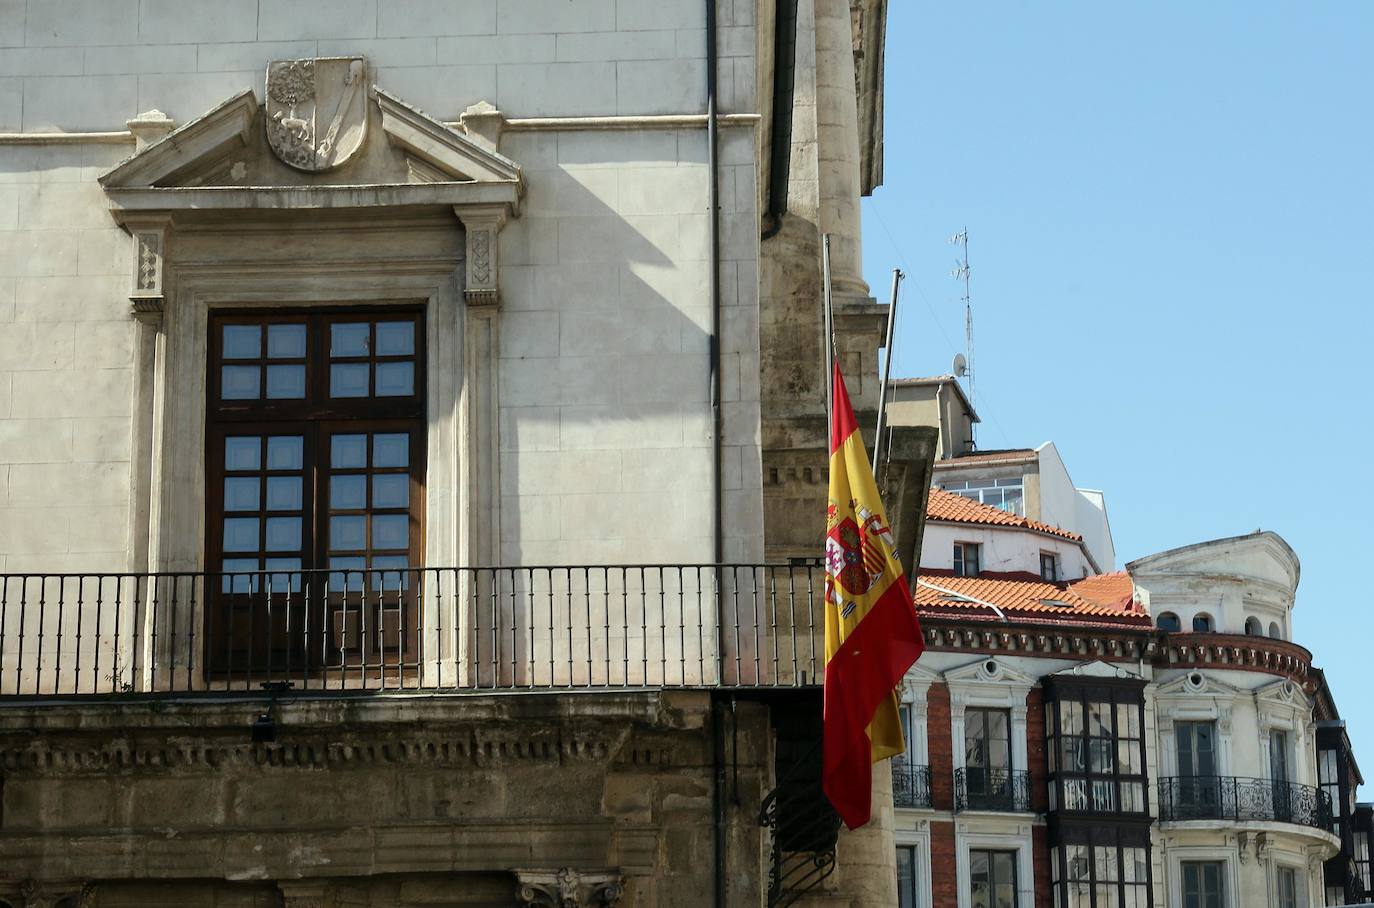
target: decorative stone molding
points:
(48, 894)
(149, 127)
(568, 888)
(483, 254)
(146, 291)
(483, 123)
(303, 893)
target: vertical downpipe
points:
(718, 493)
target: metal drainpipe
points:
(718, 494)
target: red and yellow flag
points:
(871, 633)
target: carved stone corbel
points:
(482, 225)
(568, 888)
(146, 291)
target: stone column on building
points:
(866, 858)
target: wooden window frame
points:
(317, 417)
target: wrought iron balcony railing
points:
(443, 629)
(1002, 790)
(910, 784)
(1241, 799)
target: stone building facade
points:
(398, 403)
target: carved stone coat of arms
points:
(316, 111)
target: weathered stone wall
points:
(461, 798)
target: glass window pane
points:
(240, 534)
(347, 452)
(285, 452)
(348, 493)
(391, 450)
(286, 382)
(348, 380)
(243, 583)
(395, 379)
(283, 493)
(390, 491)
(242, 452)
(343, 571)
(286, 341)
(395, 338)
(906, 877)
(392, 576)
(242, 341)
(283, 534)
(289, 579)
(241, 493)
(348, 338)
(347, 533)
(239, 382)
(391, 531)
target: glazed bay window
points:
(314, 481)
(1101, 867)
(1007, 494)
(1096, 749)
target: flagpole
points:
(887, 368)
(829, 336)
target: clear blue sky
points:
(1170, 211)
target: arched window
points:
(1253, 628)
(1168, 621)
(1202, 623)
(1274, 630)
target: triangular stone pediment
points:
(1283, 692)
(223, 159)
(1263, 556)
(1097, 669)
(991, 671)
(1183, 686)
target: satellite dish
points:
(960, 367)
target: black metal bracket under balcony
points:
(997, 790)
(1243, 800)
(443, 630)
(910, 784)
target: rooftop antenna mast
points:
(961, 272)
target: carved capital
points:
(482, 226)
(568, 888)
(146, 291)
(35, 894)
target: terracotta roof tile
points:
(1025, 597)
(954, 508)
(1009, 454)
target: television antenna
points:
(961, 272)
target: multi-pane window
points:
(1202, 623)
(1007, 494)
(907, 876)
(314, 462)
(987, 753)
(992, 879)
(1096, 749)
(966, 559)
(1288, 887)
(1363, 846)
(1328, 777)
(1100, 873)
(1049, 566)
(1197, 788)
(1169, 623)
(1203, 885)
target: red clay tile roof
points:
(953, 508)
(1104, 599)
(1008, 454)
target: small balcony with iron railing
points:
(910, 785)
(442, 630)
(992, 790)
(1243, 800)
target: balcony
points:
(910, 785)
(1243, 800)
(450, 630)
(999, 790)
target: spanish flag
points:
(871, 633)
